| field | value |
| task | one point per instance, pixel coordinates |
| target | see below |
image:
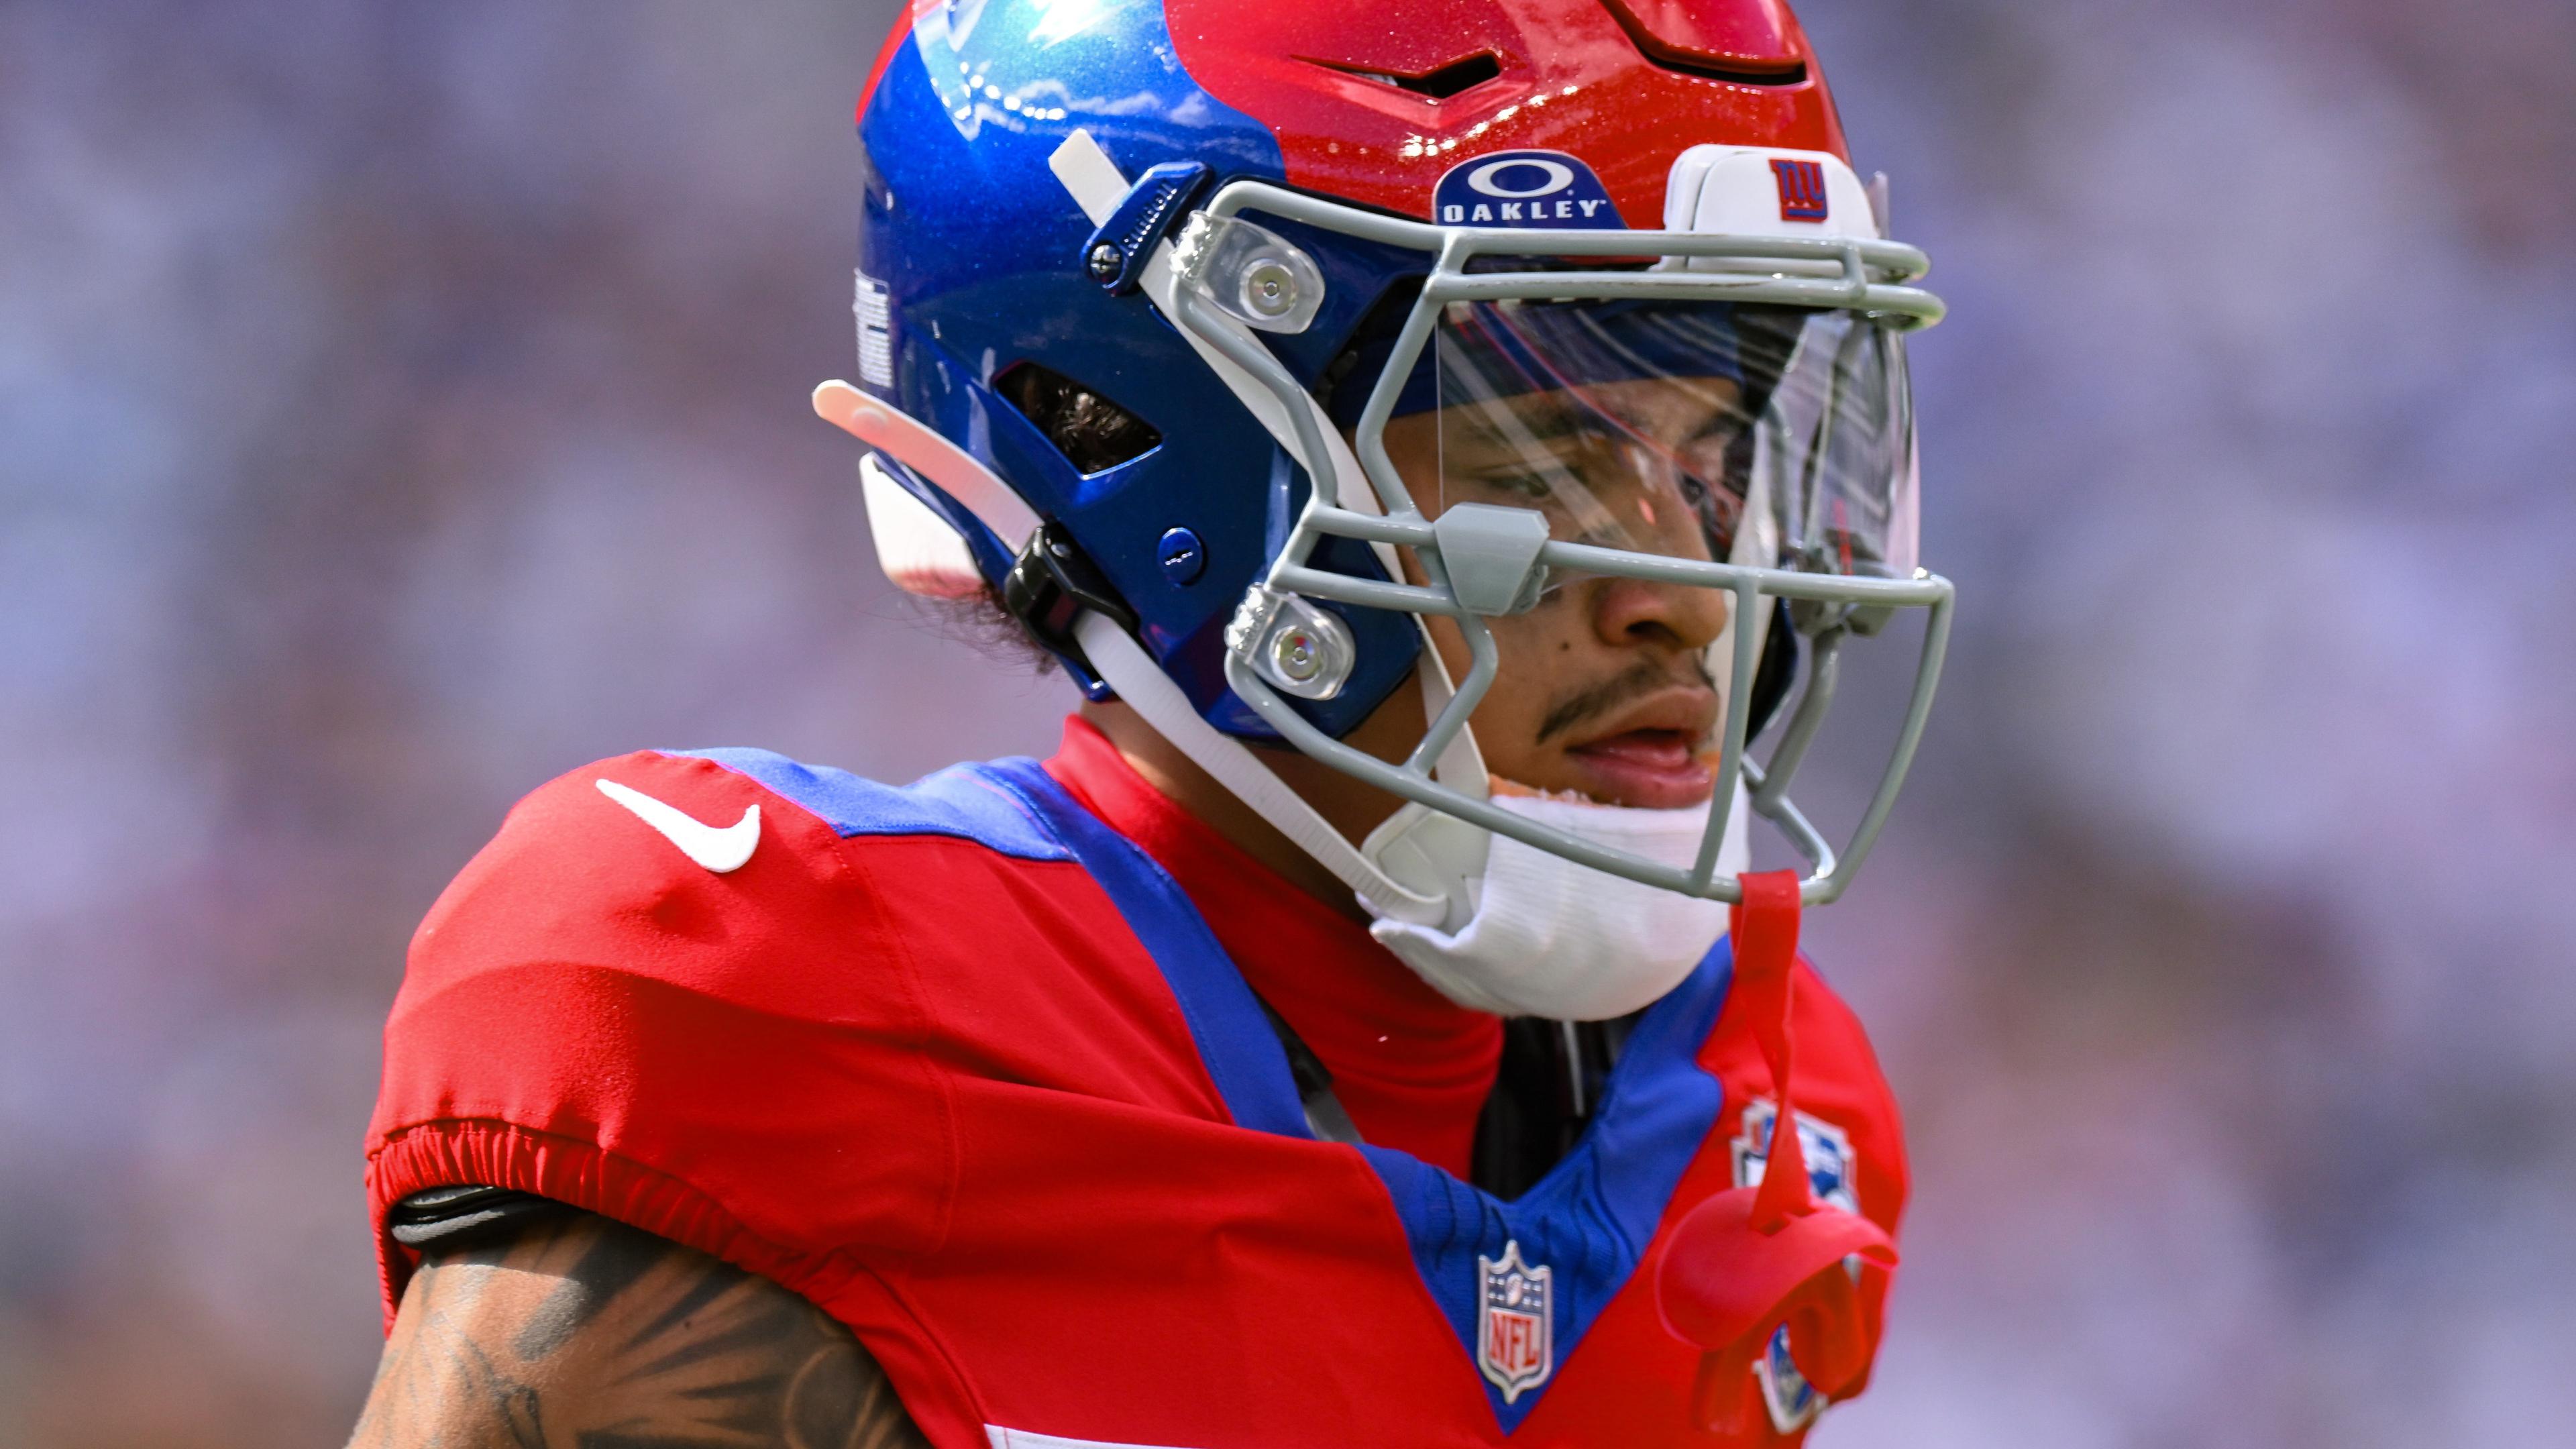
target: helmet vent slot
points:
(1748, 52)
(1094, 434)
(1437, 84)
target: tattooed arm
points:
(576, 1332)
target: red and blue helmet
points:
(1142, 282)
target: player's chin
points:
(1642, 769)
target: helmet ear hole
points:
(1094, 434)
(1778, 670)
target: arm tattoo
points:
(582, 1333)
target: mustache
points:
(1593, 701)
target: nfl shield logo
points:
(1515, 1332)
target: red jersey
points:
(978, 1066)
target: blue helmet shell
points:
(981, 254)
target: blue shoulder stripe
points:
(956, 802)
(1242, 1054)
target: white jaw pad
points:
(917, 446)
(915, 546)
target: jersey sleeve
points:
(597, 1013)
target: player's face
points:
(1605, 687)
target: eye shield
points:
(1762, 424)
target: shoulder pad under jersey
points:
(672, 978)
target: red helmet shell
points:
(1354, 89)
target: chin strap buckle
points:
(1751, 1261)
(1051, 584)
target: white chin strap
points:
(1122, 664)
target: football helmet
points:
(1157, 298)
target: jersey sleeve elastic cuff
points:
(582, 1175)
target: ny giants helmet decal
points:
(1133, 273)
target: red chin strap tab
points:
(1749, 1261)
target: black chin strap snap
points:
(1049, 586)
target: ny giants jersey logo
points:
(1515, 1324)
(1826, 1147)
(1791, 1401)
(1524, 188)
(1802, 189)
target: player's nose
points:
(1630, 612)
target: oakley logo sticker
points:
(1802, 189)
(1524, 189)
(1521, 179)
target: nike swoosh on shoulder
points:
(719, 848)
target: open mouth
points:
(1649, 768)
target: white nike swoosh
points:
(719, 849)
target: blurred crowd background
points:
(401, 404)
